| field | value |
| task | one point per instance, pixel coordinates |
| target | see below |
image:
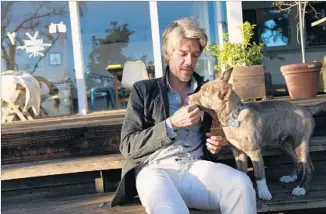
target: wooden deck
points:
(49, 166)
(100, 203)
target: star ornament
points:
(34, 46)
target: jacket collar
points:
(164, 89)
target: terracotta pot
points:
(301, 79)
(249, 82)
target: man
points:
(168, 157)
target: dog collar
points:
(234, 122)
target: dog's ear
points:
(226, 74)
(225, 92)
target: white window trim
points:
(234, 19)
(156, 39)
(78, 57)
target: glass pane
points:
(316, 35)
(203, 13)
(35, 39)
(273, 27)
(112, 34)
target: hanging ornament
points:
(34, 46)
(62, 27)
(12, 37)
(52, 28)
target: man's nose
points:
(189, 59)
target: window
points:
(30, 33)
(112, 34)
(316, 35)
(274, 27)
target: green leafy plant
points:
(238, 54)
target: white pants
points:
(204, 185)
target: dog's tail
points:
(315, 109)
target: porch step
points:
(107, 162)
(100, 203)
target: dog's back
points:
(277, 121)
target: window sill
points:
(292, 48)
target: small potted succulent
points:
(248, 77)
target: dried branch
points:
(316, 13)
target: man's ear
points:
(226, 74)
(226, 91)
(166, 56)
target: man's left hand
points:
(215, 143)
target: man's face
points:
(183, 60)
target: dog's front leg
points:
(241, 159)
(258, 164)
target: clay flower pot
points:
(249, 82)
(302, 79)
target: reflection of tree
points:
(316, 34)
(275, 29)
(32, 23)
(108, 50)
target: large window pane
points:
(35, 38)
(203, 13)
(274, 27)
(316, 35)
(113, 33)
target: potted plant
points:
(301, 78)
(248, 78)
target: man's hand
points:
(185, 116)
(215, 143)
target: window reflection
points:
(33, 35)
(274, 32)
(112, 34)
(203, 13)
(316, 35)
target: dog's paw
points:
(265, 195)
(288, 179)
(298, 191)
(263, 192)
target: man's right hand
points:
(185, 116)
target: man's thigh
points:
(158, 192)
(207, 182)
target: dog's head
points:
(213, 94)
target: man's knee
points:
(168, 209)
(242, 184)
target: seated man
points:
(167, 144)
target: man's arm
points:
(138, 136)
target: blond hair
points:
(182, 28)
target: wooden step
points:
(106, 162)
(100, 203)
(316, 144)
(61, 166)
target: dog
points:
(248, 127)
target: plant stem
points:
(301, 32)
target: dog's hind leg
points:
(241, 159)
(287, 147)
(302, 152)
(259, 170)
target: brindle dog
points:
(248, 127)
